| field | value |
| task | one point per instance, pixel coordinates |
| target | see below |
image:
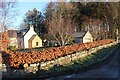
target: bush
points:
(18, 58)
(12, 48)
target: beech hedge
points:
(16, 59)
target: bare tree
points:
(7, 14)
(61, 29)
(96, 27)
(60, 24)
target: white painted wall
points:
(87, 38)
(28, 35)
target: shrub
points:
(17, 58)
(12, 47)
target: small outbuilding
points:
(35, 41)
(82, 37)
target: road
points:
(107, 69)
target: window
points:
(36, 43)
(88, 38)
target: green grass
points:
(80, 63)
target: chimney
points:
(31, 27)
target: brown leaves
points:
(4, 41)
(16, 59)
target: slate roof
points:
(12, 33)
(79, 34)
(32, 37)
(21, 33)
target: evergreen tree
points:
(35, 18)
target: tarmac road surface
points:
(108, 69)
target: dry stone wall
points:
(66, 59)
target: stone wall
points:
(64, 60)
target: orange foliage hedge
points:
(4, 41)
(16, 58)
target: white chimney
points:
(31, 27)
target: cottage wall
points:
(87, 38)
(36, 39)
(78, 40)
(27, 36)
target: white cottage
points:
(24, 37)
(82, 37)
